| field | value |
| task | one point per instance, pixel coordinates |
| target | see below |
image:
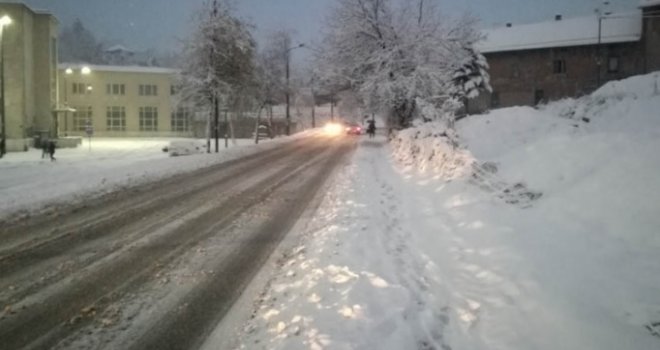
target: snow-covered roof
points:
(647, 3)
(118, 48)
(120, 69)
(616, 28)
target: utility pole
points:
(288, 114)
(599, 51)
(311, 88)
(332, 107)
(216, 124)
(226, 130)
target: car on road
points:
(353, 128)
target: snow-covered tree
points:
(219, 56)
(394, 53)
(471, 77)
(219, 63)
(78, 44)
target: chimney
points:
(557, 17)
(508, 25)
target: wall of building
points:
(523, 77)
(651, 37)
(99, 100)
(45, 72)
(16, 37)
(28, 56)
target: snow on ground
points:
(399, 257)
(29, 183)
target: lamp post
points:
(599, 59)
(84, 70)
(67, 73)
(4, 21)
(288, 115)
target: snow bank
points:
(186, 147)
(591, 242)
(432, 148)
(397, 257)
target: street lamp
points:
(67, 73)
(288, 115)
(599, 59)
(85, 70)
(4, 21)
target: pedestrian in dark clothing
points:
(51, 150)
(371, 129)
(44, 148)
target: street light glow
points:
(68, 71)
(5, 20)
(85, 70)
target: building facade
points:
(535, 63)
(30, 72)
(121, 101)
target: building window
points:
(116, 118)
(515, 70)
(115, 89)
(148, 90)
(613, 64)
(81, 117)
(559, 66)
(81, 88)
(495, 99)
(148, 119)
(181, 119)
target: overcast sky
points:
(161, 24)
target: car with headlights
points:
(353, 128)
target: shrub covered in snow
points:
(432, 147)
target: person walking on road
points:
(371, 129)
(51, 149)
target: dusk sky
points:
(161, 24)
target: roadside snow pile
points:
(186, 147)
(605, 169)
(432, 148)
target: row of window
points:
(148, 119)
(559, 66)
(114, 89)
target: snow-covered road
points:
(155, 266)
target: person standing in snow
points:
(51, 149)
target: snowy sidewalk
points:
(395, 260)
(355, 282)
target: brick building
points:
(546, 61)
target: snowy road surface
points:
(155, 267)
